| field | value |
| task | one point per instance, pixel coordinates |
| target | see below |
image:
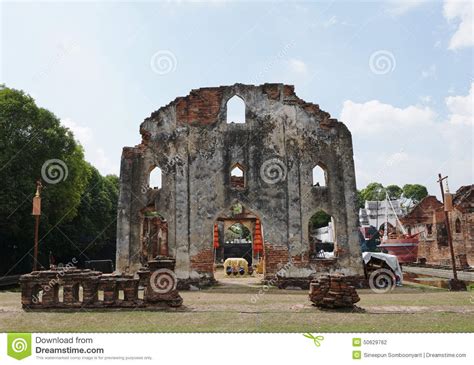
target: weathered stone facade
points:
(282, 140)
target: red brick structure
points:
(70, 288)
(427, 219)
(333, 291)
(462, 225)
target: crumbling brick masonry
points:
(282, 140)
(70, 288)
(333, 291)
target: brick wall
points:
(463, 242)
(201, 106)
(276, 257)
(203, 262)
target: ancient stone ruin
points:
(333, 291)
(70, 288)
(197, 146)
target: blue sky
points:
(399, 74)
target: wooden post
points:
(36, 213)
(35, 261)
(448, 228)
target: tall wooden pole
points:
(36, 213)
(448, 229)
(35, 262)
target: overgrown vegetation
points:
(78, 212)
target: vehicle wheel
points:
(383, 281)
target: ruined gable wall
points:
(191, 142)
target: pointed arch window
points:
(322, 235)
(320, 176)
(237, 176)
(236, 110)
(155, 178)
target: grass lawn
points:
(230, 309)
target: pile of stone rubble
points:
(333, 291)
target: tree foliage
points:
(237, 231)
(373, 191)
(80, 202)
(394, 191)
(414, 192)
(409, 194)
(319, 219)
(91, 233)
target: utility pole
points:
(37, 213)
(454, 284)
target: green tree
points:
(29, 137)
(92, 232)
(373, 191)
(409, 194)
(319, 219)
(394, 191)
(360, 200)
(414, 193)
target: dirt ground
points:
(242, 304)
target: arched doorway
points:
(322, 235)
(238, 240)
(154, 235)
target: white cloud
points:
(461, 108)
(400, 7)
(374, 117)
(298, 66)
(411, 144)
(83, 134)
(99, 160)
(93, 154)
(462, 10)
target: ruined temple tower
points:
(282, 140)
